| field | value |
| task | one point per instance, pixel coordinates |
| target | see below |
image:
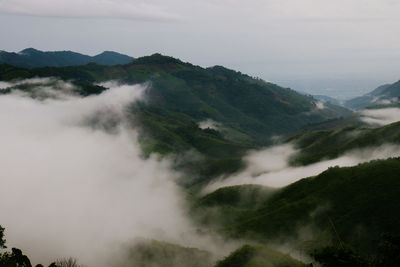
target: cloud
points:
(319, 105)
(4, 85)
(380, 116)
(32, 81)
(69, 188)
(209, 123)
(270, 167)
(340, 9)
(136, 9)
(173, 9)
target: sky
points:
(340, 48)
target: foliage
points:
(333, 256)
(67, 262)
(353, 204)
(168, 132)
(234, 202)
(149, 253)
(238, 258)
(2, 240)
(327, 144)
(257, 256)
(14, 259)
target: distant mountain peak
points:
(158, 58)
(30, 50)
(33, 58)
(110, 53)
(384, 95)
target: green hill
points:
(328, 144)
(353, 205)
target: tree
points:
(2, 240)
(68, 262)
(14, 259)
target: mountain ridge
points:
(384, 95)
(253, 107)
(33, 58)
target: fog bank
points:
(270, 167)
(72, 188)
(380, 116)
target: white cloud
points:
(41, 81)
(136, 9)
(380, 116)
(270, 167)
(71, 189)
(319, 105)
(209, 123)
(172, 9)
(4, 85)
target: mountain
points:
(317, 145)
(384, 95)
(247, 109)
(248, 112)
(350, 206)
(111, 58)
(327, 99)
(32, 58)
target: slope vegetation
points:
(328, 144)
(353, 205)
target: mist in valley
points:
(381, 116)
(271, 166)
(75, 182)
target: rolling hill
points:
(353, 205)
(316, 145)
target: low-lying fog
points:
(70, 187)
(270, 167)
(382, 116)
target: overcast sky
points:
(340, 48)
